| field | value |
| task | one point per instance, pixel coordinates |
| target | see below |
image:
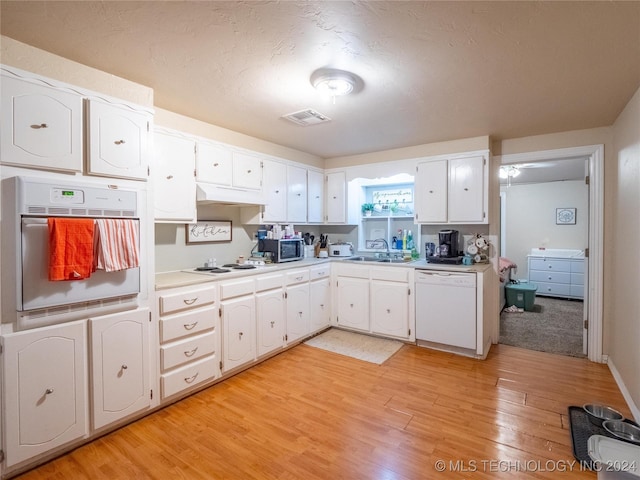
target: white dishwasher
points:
(446, 308)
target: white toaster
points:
(340, 250)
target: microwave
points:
(282, 250)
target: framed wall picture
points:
(210, 231)
(565, 216)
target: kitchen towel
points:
(70, 248)
(116, 244)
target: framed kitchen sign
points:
(210, 231)
(565, 216)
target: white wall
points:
(531, 219)
(624, 307)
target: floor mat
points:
(356, 345)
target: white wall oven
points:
(28, 294)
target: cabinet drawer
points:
(390, 274)
(548, 264)
(577, 291)
(351, 270)
(297, 276)
(188, 350)
(553, 289)
(577, 266)
(236, 289)
(188, 323)
(189, 376)
(536, 276)
(321, 271)
(190, 299)
(577, 279)
(268, 282)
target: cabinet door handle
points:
(48, 391)
(169, 177)
(322, 305)
(124, 366)
(119, 142)
(299, 278)
(277, 191)
(191, 379)
(240, 335)
(216, 164)
(300, 314)
(191, 353)
(272, 322)
(388, 310)
(430, 191)
(248, 171)
(190, 301)
(466, 189)
(351, 305)
(38, 127)
(190, 326)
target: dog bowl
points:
(623, 430)
(599, 413)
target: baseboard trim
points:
(635, 411)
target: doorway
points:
(548, 252)
(591, 157)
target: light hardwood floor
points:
(312, 414)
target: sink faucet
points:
(386, 244)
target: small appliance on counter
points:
(447, 250)
(282, 250)
(342, 249)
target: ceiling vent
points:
(307, 117)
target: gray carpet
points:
(554, 325)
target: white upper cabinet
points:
(275, 191)
(41, 126)
(214, 164)
(431, 192)
(315, 196)
(117, 141)
(173, 177)
(452, 190)
(296, 194)
(336, 211)
(247, 170)
(467, 187)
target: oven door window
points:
(38, 292)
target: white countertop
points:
(186, 277)
(181, 278)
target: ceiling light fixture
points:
(332, 82)
(509, 172)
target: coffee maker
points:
(448, 243)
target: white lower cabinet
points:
(353, 303)
(375, 300)
(238, 322)
(189, 333)
(271, 320)
(119, 365)
(298, 322)
(390, 309)
(238, 307)
(320, 297)
(45, 390)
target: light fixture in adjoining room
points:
(333, 83)
(508, 172)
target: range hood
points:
(210, 193)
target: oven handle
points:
(34, 221)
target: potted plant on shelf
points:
(367, 209)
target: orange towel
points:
(70, 248)
(117, 244)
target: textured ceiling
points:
(432, 71)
